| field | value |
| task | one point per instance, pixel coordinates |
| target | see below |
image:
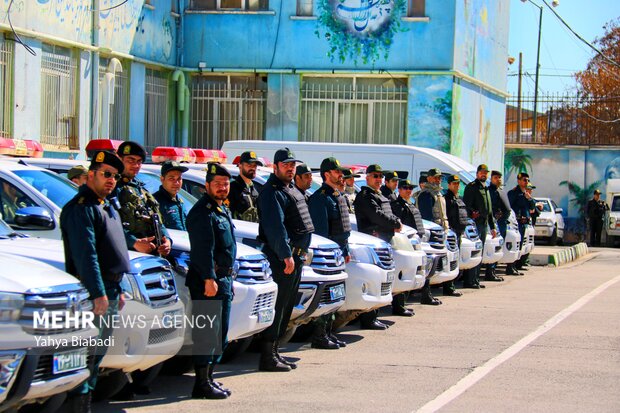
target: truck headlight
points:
(415, 243)
(309, 257)
(361, 253)
(11, 305)
(612, 222)
(130, 288)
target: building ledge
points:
(416, 19)
(309, 18)
(175, 15)
(251, 12)
(149, 6)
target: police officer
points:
(330, 216)
(138, 206)
(349, 187)
(520, 203)
(303, 179)
(478, 202)
(243, 194)
(390, 184)
(95, 252)
(595, 211)
(78, 175)
(170, 204)
(501, 212)
(11, 199)
(285, 227)
(375, 217)
(212, 255)
(404, 209)
(458, 220)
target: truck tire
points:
(553, 239)
(235, 348)
(177, 366)
(109, 385)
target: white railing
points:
(156, 109)
(6, 80)
(119, 110)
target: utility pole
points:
(519, 118)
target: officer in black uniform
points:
(375, 217)
(409, 214)
(478, 202)
(170, 204)
(303, 179)
(501, 212)
(212, 255)
(520, 204)
(595, 211)
(285, 227)
(330, 215)
(389, 186)
(95, 252)
(138, 206)
(458, 220)
(243, 194)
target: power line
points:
(17, 38)
(110, 8)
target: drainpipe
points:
(185, 133)
(94, 74)
(179, 77)
(107, 95)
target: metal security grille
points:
(6, 80)
(156, 109)
(227, 108)
(353, 110)
(119, 110)
(59, 120)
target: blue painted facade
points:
(453, 59)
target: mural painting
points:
(430, 112)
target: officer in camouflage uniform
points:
(95, 252)
(330, 216)
(286, 228)
(243, 194)
(212, 255)
(170, 204)
(139, 209)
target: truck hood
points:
(250, 230)
(27, 274)
(181, 243)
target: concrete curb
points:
(560, 257)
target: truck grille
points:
(439, 265)
(265, 300)
(451, 242)
(155, 280)
(437, 238)
(471, 232)
(327, 261)
(386, 257)
(161, 335)
(386, 288)
(253, 269)
(44, 370)
(326, 296)
(59, 300)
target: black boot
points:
(333, 337)
(427, 297)
(204, 387)
(368, 321)
(268, 360)
(281, 358)
(511, 270)
(320, 339)
(79, 403)
(217, 384)
(490, 276)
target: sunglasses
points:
(108, 175)
(406, 188)
(376, 176)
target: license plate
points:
(69, 361)
(265, 315)
(172, 318)
(390, 276)
(336, 292)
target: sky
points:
(561, 53)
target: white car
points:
(550, 222)
(471, 248)
(444, 260)
(511, 242)
(493, 249)
(529, 239)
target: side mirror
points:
(559, 210)
(34, 218)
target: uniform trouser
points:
(113, 292)
(596, 228)
(205, 349)
(398, 301)
(288, 285)
(472, 276)
(523, 258)
(448, 286)
(502, 226)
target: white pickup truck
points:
(613, 200)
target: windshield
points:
(615, 205)
(545, 204)
(152, 183)
(53, 187)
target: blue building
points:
(198, 72)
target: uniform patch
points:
(213, 169)
(127, 150)
(252, 154)
(100, 157)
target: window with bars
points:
(6, 82)
(59, 118)
(156, 109)
(305, 7)
(227, 108)
(416, 8)
(118, 127)
(353, 110)
(224, 5)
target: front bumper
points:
(251, 302)
(493, 250)
(410, 270)
(368, 287)
(441, 272)
(313, 296)
(543, 231)
(511, 247)
(471, 253)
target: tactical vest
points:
(297, 218)
(111, 246)
(343, 223)
(439, 211)
(137, 204)
(463, 217)
(417, 218)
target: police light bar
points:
(210, 155)
(357, 168)
(162, 154)
(21, 147)
(97, 145)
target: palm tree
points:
(581, 196)
(516, 160)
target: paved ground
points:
(497, 344)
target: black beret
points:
(215, 169)
(132, 148)
(108, 158)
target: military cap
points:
(77, 171)
(530, 186)
(172, 166)
(131, 148)
(284, 155)
(453, 178)
(422, 178)
(215, 169)
(482, 167)
(348, 173)
(250, 157)
(389, 175)
(523, 175)
(374, 168)
(332, 164)
(496, 173)
(108, 158)
(596, 191)
(405, 182)
(433, 172)
(302, 169)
